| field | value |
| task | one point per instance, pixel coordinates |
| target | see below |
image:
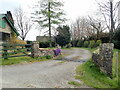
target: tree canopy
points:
(63, 36)
(49, 14)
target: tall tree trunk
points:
(50, 43)
(112, 22)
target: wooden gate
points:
(14, 50)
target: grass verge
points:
(62, 62)
(115, 64)
(22, 60)
(90, 74)
(74, 83)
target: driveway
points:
(47, 74)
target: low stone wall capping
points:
(103, 59)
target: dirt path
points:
(77, 54)
(47, 74)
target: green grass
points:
(74, 83)
(22, 60)
(90, 74)
(114, 65)
(62, 62)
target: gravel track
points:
(46, 74)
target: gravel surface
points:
(46, 74)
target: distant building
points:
(6, 27)
(43, 38)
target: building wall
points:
(43, 38)
(7, 33)
(7, 29)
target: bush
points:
(74, 43)
(53, 44)
(105, 39)
(48, 56)
(80, 43)
(98, 42)
(45, 44)
(117, 39)
(86, 43)
(116, 44)
(17, 41)
(29, 42)
(92, 44)
(68, 45)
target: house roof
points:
(10, 23)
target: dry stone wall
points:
(104, 58)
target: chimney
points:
(9, 15)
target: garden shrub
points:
(29, 42)
(48, 56)
(80, 43)
(92, 44)
(105, 39)
(116, 44)
(69, 45)
(74, 43)
(17, 41)
(43, 44)
(53, 44)
(98, 42)
(117, 39)
(86, 43)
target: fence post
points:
(5, 52)
(35, 49)
(1, 51)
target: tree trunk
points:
(50, 43)
(112, 22)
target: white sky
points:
(72, 8)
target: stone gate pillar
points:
(106, 55)
(104, 58)
(35, 49)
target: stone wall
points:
(104, 58)
(38, 52)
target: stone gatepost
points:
(106, 55)
(104, 58)
(35, 49)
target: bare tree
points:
(22, 23)
(84, 28)
(98, 26)
(81, 28)
(109, 12)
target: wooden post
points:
(5, 52)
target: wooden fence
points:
(15, 50)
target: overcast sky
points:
(72, 8)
